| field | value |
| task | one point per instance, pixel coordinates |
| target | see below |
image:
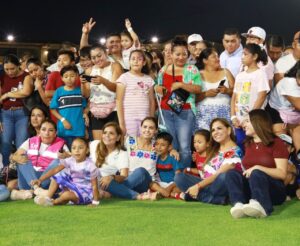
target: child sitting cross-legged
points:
(76, 176)
(166, 167)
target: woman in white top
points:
(214, 100)
(101, 90)
(112, 161)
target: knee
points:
(257, 174)
(178, 178)
(142, 172)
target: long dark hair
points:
(294, 72)
(256, 49)
(262, 125)
(204, 55)
(214, 146)
(31, 130)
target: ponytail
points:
(258, 50)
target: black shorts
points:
(98, 123)
(275, 116)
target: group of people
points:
(183, 123)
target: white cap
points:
(286, 138)
(257, 32)
(194, 38)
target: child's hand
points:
(86, 120)
(88, 26)
(127, 23)
(35, 182)
(67, 125)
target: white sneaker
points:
(254, 209)
(40, 192)
(20, 195)
(43, 201)
(237, 211)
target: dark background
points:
(57, 21)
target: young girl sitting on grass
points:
(201, 143)
(78, 181)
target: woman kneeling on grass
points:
(112, 161)
(261, 186)
(78, 181)
(223, 155)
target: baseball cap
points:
(194, 38)
(286, 138)
(256, 31)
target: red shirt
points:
(55, 81)
(259, 154)
(167, 83)
(11, 84)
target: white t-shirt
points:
(247, 86)
(285, 63)
(114, 162)
(43, 147)
(285, 87)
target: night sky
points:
(57, 21)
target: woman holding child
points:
(223, 155)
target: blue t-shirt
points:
(167, 168)
(70, 105)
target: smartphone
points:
(222, 82)
(87, 77)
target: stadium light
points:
(102, 41)
(154, 39)
(10, 37)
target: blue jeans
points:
(181, 127)
(215, 193)
(26, 173)
(137, 182)
(15, 123)
(259, 186)
(4, 193)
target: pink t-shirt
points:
(269, 68)
(247, 86)
(136, 98)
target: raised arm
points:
(86, 28)
(136, 41)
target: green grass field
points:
(165, 222)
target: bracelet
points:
(188, 169)
(95, 202)
(62, 119)
(233, 117)
(130, 29)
